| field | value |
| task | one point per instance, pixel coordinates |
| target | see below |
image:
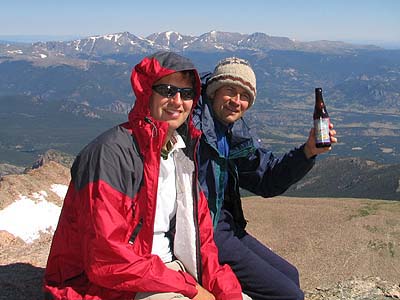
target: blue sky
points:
(376, 21)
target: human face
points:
(173, 110)
(230, 103)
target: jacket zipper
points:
(136, 231)
(195, 214)
(139, 226)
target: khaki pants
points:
(177, 266)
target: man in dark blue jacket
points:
(231, 158)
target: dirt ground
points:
(330, 240)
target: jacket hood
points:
(150, 70)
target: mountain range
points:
(212, 41)
(364, 74)
(94, 69)
(61, 94)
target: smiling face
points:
(173, 110)
(230, 103)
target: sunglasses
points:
(169, 91)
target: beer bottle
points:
(321, 121)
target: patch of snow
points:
(59, 189)
(110, 37)
(386, 150)
(27, 218)
(170, 33)
(15, 52)
(41, 196)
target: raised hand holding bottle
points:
(321, 121)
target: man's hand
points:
(310, 149)
(203, 294)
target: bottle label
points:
(321, 126)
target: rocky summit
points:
(344, 248)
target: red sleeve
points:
(220, 280)
(109, 260)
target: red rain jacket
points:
(101, 248)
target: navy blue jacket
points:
(249, 166)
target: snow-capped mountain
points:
(100, 45)
(127, 43)
(171, 40)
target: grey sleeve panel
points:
(112, 157)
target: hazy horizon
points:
(356, 21)
(49, 38)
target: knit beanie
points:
(233, 70)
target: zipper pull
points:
(135, 232)
(154, 129)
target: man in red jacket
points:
(134, 224)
